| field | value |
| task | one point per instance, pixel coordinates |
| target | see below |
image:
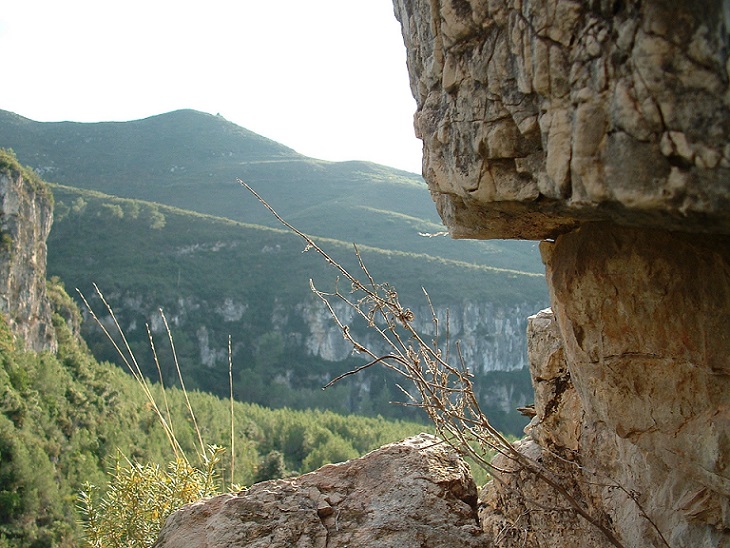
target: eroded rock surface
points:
(603, 127)
(537, 116)
(416, 493)
(631, 396)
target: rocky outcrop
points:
(26, 215)
(538, 116)
(603, 127)
(492, 336)
(416, 493)
(643, 449)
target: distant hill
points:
(151, 211)
(191, 160)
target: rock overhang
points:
(540, 117)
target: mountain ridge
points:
(192, 160)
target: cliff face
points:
(26, 215)
(603, 126)
(538, 116)
(491, 335)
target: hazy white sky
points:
(325, 77)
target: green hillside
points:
(145, 256)
(218, 263)
(65, 418)
(191, 160)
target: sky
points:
(327, 78)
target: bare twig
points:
(444, 392)
(233, 420)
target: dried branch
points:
(445, 393)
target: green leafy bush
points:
(140, 497)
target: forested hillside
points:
(215, 277)
(65, 418)
(191, 160)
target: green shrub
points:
(140, 497)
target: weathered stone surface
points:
(644, 318)
(519, 509)
(638, 440)
(416, 493)
(558, 410)
(26, 215)
(604, 126)
(537, 116)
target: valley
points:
(151, 212)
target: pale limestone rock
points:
(603, 125)
(26, 216)
(416, 493)
(644, 319)
(539, 115)
(518, 509)
(631, 459)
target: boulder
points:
(416, 493)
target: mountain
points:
(192, 160)
(151, 211)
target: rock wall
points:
(492, 335)
(537, 116)
(26, 215)
(602, 127)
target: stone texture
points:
(601, 126)
(631, 395)
(517, 509)
(537, 116)
(644, 319)
(26, 216)
(416, 493)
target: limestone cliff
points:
(537, 116)
(492, 334)
(603, 126)
(26, 215)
